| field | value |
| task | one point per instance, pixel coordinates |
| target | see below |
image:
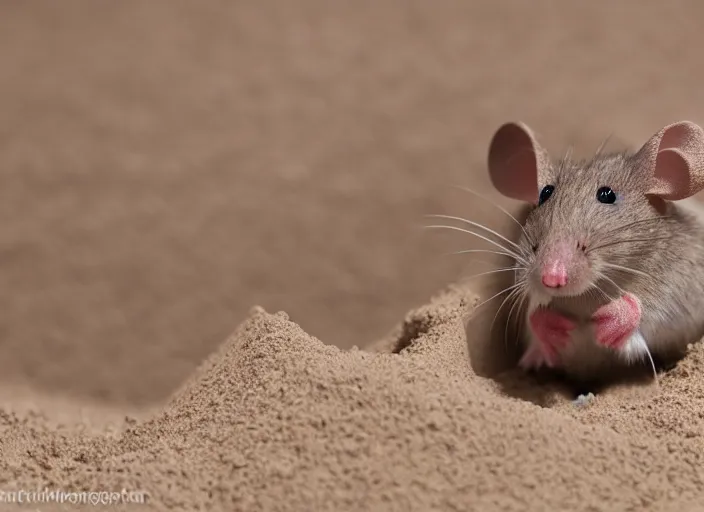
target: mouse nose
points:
(554, 275)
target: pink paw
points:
(617, 320)
(552, 334)
(534, 357)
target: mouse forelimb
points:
(616, 322)
(615, 327)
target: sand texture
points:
(166, 166)
(277, 420)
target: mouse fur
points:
(644, 243)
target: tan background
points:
(167, 165)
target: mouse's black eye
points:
(606, 195)
(545, 194)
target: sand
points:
(277, 420)
(166, 166)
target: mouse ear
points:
(516, 162)
(674, 157)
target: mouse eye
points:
(545, 194)
(606, 195)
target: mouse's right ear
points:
(674, 161)
(516, 162)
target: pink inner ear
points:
(520, 180)
(513, 163)
(676, 154)
(672, 180)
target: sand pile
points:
(277, 420)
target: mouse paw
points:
(616, 321)
(550, 334)
(551, 329)
(535, 358)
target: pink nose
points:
(554, 276)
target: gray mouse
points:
(609, 266)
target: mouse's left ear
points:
(674, 159)
(517, 162)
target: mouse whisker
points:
(626, 269)
(602, 146)
(628, 240)
(476, 194)
(478, 225)
(651, 279)
(590, 290)
(494, 242)
(495, 271)
(567, 157)
(470, 251)
(508, 298)
(642, 221)
(644, 346)
(520, 318)
(604, 276)
(509, 288)
(598, 288)
(516, 301)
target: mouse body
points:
(609, 267)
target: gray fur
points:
(670, 253)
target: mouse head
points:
(592, 220)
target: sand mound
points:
(277, 420)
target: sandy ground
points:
(166, 166)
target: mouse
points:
(608, 266)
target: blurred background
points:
(166, 165)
